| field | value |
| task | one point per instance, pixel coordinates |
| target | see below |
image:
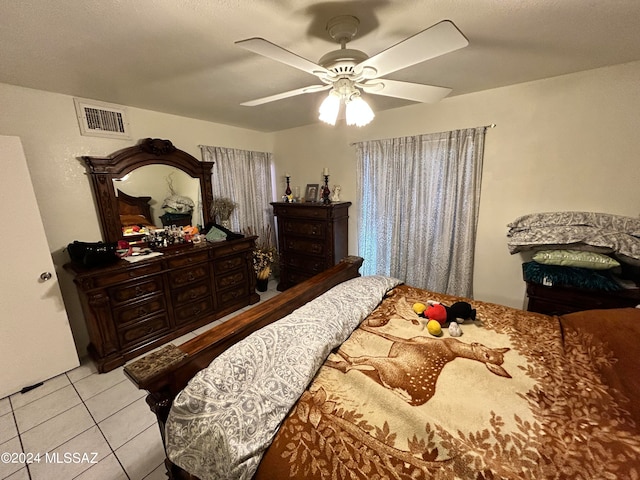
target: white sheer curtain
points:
(419, 200)
(245, 177)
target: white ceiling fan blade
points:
(441, 38)
(271, 50)
(409, 91)
(290, 93)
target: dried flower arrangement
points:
(265, 253)
(222, 208)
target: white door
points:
(35, 336)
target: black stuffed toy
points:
(460, 310)
(444, 314)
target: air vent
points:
(99, 119)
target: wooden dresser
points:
(311, 238)
(560, 300)
(130, 308)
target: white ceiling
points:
(179, 57)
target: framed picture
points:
(311, 194)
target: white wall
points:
(47, 124)
(565, 143)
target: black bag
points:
(93, 254)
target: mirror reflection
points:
(155, 196)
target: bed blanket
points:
(221, 423)
(518, 396)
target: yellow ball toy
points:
(434, 328)
(419, 308)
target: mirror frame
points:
(150, 151)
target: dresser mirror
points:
(159, 182)
(135, 182)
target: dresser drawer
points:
(227, 264)
(558, 300)
(143, 331)
(130, 273)
(304, 246)
(232, 295)
(191, 293)
(303, 211)
(189, 259)
(192, 311)
(138, 310)
(230, 280)
(315, 230)
(186, 276)
(132, 291)
(305, 264)
(293, 278)
(223, 249)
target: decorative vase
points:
(262, 279)
(226, 223)
(261, 284)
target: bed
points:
(135, 212)
(342, 380)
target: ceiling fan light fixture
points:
(358, 112)
(330, 108)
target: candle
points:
(287, 175)
(325, 171)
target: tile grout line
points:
(101, 433)
(39, 398)
(15, 421)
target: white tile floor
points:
(82, 412)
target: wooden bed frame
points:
(134, 205)
(166, 372)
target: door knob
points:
(44, 276)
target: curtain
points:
(419, 199)
(245, 177)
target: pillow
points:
(555, 275)
(223, 421)
(130, 220)
(607, 221)
(575, 258)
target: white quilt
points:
(228, 414)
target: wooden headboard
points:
(128, 205)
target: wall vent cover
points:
(99, 119)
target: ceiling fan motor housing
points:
(343, 28)
(342, 62)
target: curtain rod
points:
(492, 125)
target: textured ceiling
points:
(179, 56)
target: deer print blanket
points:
(518, 396)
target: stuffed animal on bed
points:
(457, 312)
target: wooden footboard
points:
(166, 372)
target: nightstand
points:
(558, 300)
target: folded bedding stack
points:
(586, 250)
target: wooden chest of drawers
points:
(311, 238)
(560, 300)
(130, 308)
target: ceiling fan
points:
(346, 72)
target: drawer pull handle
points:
(190, 277)
(142, 311)
(139, 291)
